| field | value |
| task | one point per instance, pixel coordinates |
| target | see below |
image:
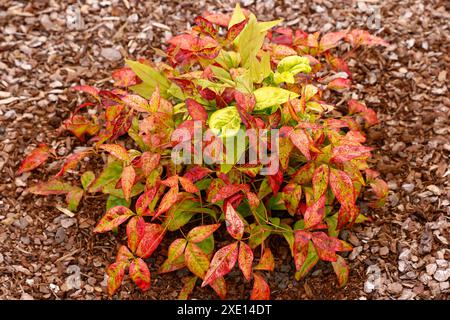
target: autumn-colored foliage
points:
(228, 72)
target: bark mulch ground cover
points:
(48, 46)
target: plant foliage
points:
(228, 73)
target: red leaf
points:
(220, 287)
(193, 43)
(144, 200)
(245, 101)
(200, 233)
(123, 254)
(218, 18)
(370, 116)
(169, 199)
(149, 162)
(136, 102)
(127, 179)
(171, 181)
(346, 214)
(302, 141)
(234, 31)
(153, 234)
(342, 186)
(301, 242)
(292, 194)
(344, 153)
(117, 151)
(235, 225)
(362, 37)
(188, 185)
(196, 260)
(339, 84)
(135, 232)
(326, 246)
(205, 26)
(338, 64)
(113, 218)
(196, 173)
(140, 274)
(315, 213)
(72, 161)
(124, 77)
(222, 263)
(261, 290)
(227, 191)
(196, 110)
(266, 262)
(88, 89)
(275, 182)
(37, 157)
(341, 270)
(355, 107)
(245, 260)
(320, 180)
(253, 200)
(331, 40)
(116, 272)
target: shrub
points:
(226, 75)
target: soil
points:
(48, 46)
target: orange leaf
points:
(320, 180)
(261, 290)
(200, 233)
(127, 180)
(37, 157)
(116, 272)
(267, 262)
(135, 232)
(196, 260)
(117, 151)
(315, 213)
(72, 161)
(169, 199)
(341, 270)
(245, 260)
(113, 218)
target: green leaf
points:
(258, 234)
(259, 70)
(176, 92)
(225, 122)
(238, 16)
(73, 198)
(294, 65)
(113, 201)
(250, 40)
(150, 77)
(271, 96)
(267, 25)
(181, 213)
(207, 245)
(111, 174)
(228, 59)
(87, 178)
(311, 260)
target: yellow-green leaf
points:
(270, 96)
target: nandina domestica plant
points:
(236, 134)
